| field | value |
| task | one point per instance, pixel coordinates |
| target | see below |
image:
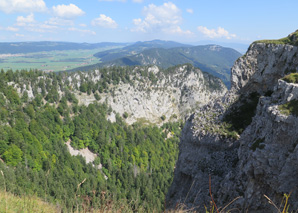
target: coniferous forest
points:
(137, 160)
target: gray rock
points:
(262, 160)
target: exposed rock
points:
(262, 160)
(174, 94)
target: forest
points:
(137, 160)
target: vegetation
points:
(289, 108)
(217, 63)
(12, 203)
(291, 78)
(137, 161)
(292, 39)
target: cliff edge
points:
(246, 141)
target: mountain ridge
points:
(246, 142)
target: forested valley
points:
(137, 160)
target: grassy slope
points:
(12, 203)
(291, 39)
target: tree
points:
(13, 155)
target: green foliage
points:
(138, 160)
(291, 78)
(292, 39)
(13, 155)
(289, 108)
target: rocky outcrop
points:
(262, 159)
(173, 95)
(149, 94)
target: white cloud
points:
(83, 25)
(104, 21)
(189, 11)
(12, 29)
(216, 33)
(138, 1)
(27, 6)
(82, 31)
(59, 22)
(67, 11)
(165, 18)
(178, 30)
(19, 35)
(22, 21)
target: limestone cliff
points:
(148, 94)
(244, 141)
(171, 94)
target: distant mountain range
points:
(213, 59)
(136, 48)
(31, 47)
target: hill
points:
(136, 48)
(130, 118)
(213, 59)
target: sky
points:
(185, 21)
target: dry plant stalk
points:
(211, 194)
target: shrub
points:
(291, 78)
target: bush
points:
(290, 108)
(291, 78)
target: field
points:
(50, 60)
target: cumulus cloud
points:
(166, 18)
(22, 21)
(27, 6)
(104, 21)
(216, 33)
(82, 31)
(67, 11)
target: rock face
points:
(148, 94)
(173, 95)
(262, 158)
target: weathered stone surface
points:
(262, 160)
(176, 93)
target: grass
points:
(50, 60)
(292, 39)
(284, 206)
(289, 108)
(291, 78)
(12, 203)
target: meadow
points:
(50, 61)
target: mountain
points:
(240, 151)
(103, 139)
(240, 47)
(213, 59)
(31, 47)
(136, 48)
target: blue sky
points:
(187, 21)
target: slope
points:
(247, 140)
(136, 48)
(214, 59)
